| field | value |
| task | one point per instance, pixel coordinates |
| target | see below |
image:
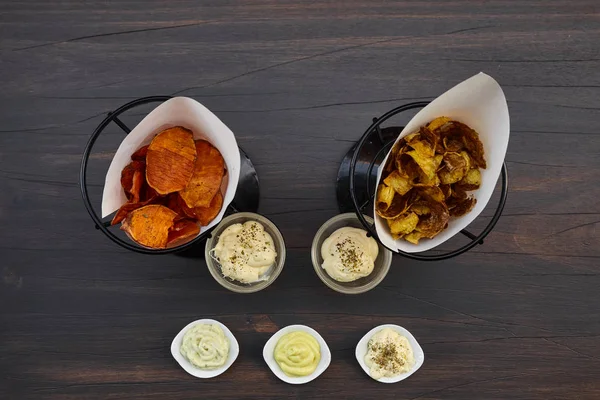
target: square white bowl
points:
(234, 350)
(270, 359)
(361, 352)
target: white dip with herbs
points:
(245, 251)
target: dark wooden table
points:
(81, 318)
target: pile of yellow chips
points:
(426, 179)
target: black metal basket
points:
(246, 197)
(356, 181)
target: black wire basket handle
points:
(359, 208)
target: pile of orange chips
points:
(173, 187)
(426, 179)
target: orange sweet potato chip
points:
(170, 160)
(129, 207)
(184, 209)
(171, 201)
(174, 202)
(182, 230)
(147, 193)
(123, 211)
(137, 185)
(145, 196)
(140, 154)
(206, 214)
(127, 178)
(150, 225)
(207, 176)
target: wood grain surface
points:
(298, 82)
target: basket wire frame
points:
(359, 207)
(113, 117)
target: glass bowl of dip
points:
(215, 269)
(361, 285)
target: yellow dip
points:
(245, 252)
(297, 353)
(205, 346)
(389, 354)
(349, 254)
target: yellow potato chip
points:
(447, 190)
(453, 143)
(410, 137)
(425, 163)
(398, 207)
(420, 208)
(461, 207)
(437, 123)
(434, 192)
(454, 161)
(458, 192)
(403, 224)
(385, 195)
(438, 161)
(448, 178)
(389, 167)
(424, 180)
(473, 144)
(468, 160)
(433, 223)
(399, 183)
(472, 180)
(406, 166)
(432, 139)
(423, 147)
(414, 237)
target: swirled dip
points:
(205, 346)
(297, 354)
